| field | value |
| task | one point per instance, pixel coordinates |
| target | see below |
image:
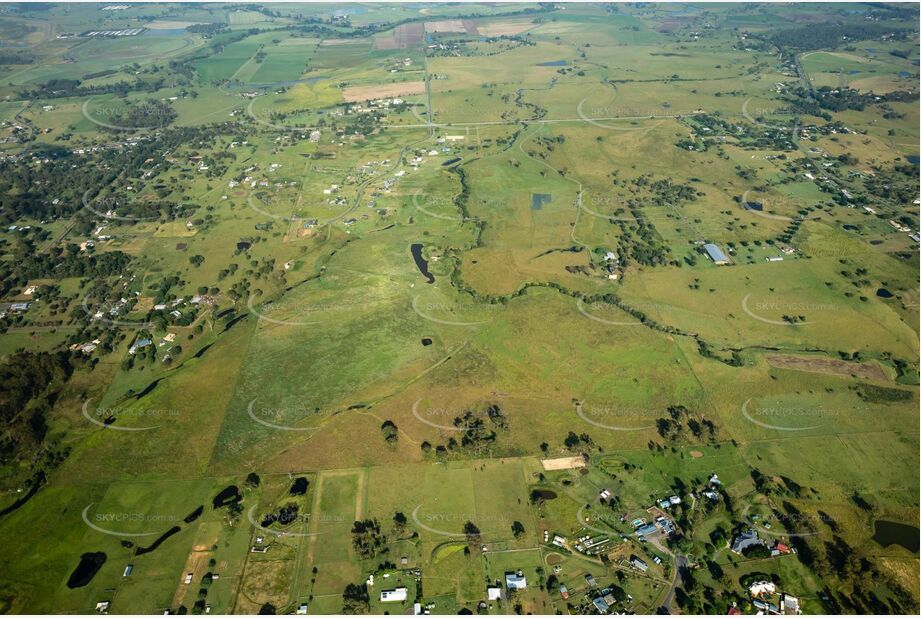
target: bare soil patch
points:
(816, 364)
(364, 93)
(504, 28)
(563, 463)
(445, 25)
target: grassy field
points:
(410, 300)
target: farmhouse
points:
(395, 595)
(646, 530)
(762, 588)
(639, 564)
(716, 254)
(601, 605)
(515, 581)
(744, 540)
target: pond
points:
(914, 159)
(888, 533)
(421, 264)
(90, 563)
(299, 487)
(850, 227)
(153, 546)
(876, 242)
(539, 199)
(554, 63)
(754, 206)
(228, 495)
(542, 495)
(883, 293)
(426, 341)
(194, 514)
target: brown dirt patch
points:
(833, 366)
(407, 35)
(563, 463)
(504, 28)
(364, 93)
(696, 454)
(337, 42)
(445, 25)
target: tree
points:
(355, 599)
(517, 529)
(390, 432)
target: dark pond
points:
(146, 550)
(754, 206)
(876, 242)
(90, 563)
(914, 159)
(541, 495)
(554, 63)
(888, 533)
(194, 514)
(228, 495)
(243, 245)
(233, 322)
(848, 226)
(421, 264)
(202, 351)
(426, 341)
(299, 487)
(451, 161)
(883, 293)
(147, 389)
(904, 74)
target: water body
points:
(539, 199)
(883, 293)
(194, 514)
(754, 206)
(553, 63)
(146, 550)
(888, 533)
(233, 322)
(201, 352)
(421, 264)
(148, 389)
(848, 226)
(426, 341)
(228, 495)
(90, 563)
(876, 242)
(542, 495)
(166, 32)
(914, 159)
(904, 74)
(299, 487)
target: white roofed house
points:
(395, 595)
(515, 581)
